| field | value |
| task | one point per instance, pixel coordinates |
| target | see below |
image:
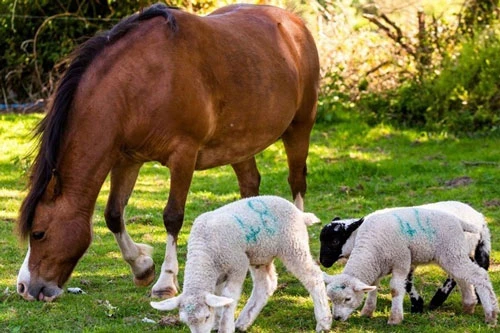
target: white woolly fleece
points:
(392, 240)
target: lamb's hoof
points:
(366, 313)
(240, 326)
(168, 292)
(146, 278)
(491, 318)
(238, 329)
(417, 306)
(324, 325)
(395, 320)
(469, 308)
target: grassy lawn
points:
(353, 169)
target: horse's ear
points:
(53, 189)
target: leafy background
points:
(408, 114)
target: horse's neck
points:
(84, 164)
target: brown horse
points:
(163, 85)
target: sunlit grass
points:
(352, 170)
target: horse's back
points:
(231, 82)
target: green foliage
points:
(333, 97)
(461, 96)
(36, 38)
(477, 14)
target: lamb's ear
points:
(217, 301)
(167, 305)
(327, 278)
(360, 286)
(353, 226)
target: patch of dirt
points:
(460, 181)
(169, 321)
(282, 286)
(492, 203)
(349, 190)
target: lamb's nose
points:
(338, 317)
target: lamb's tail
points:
(310, 218)
(483, 248)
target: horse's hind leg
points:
(248, 177)
(138, 256)
(296, 142)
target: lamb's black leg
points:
(417, 302)
(442, 293)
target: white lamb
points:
(338, 237)
(394, 240)
(224, 243)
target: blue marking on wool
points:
(251, 232)
(337, 288)
(267, 221)
(421, 227)
(405, 227)
(426, 228)
(189, 308)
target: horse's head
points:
(56, 242)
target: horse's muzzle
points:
(40, 292)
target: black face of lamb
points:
(481, 256)
(333, 237)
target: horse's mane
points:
(51, 129)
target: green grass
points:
(353, 169)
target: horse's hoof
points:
(168, 292)
(146, 278)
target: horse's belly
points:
(233, 150)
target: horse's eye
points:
(37, 235)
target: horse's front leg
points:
(138, 256)
(181, 165)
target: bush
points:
(462, 96)
(36, 37)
